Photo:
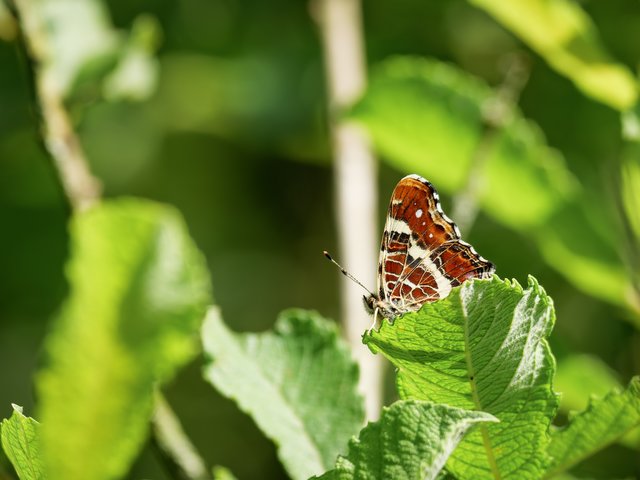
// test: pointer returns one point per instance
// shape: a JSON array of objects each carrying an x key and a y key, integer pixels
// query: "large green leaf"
[
  {"x": 630, "y": 200},
  {"x": 484, "y": 347},
  {"x": 139, "y": 290},
  {"x": 603, "y": 422},
  {"x": 580, "y": 377},
  {"x": 297, "y": 382},
  {"x": 564, "y": 35},
  {"x": 412, "y": 440},
  {"x": 586, "y": 238},
  {"x": 427, "y": 117},
  {"x": 20, "y": 437}
]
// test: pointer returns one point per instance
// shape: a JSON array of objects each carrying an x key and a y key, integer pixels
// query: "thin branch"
[
  {"x": 83, "y": 190},
  {"x": 496, "y": 113},
  {"x": 174, "y": 443},
  {"x": 80, "y": 186},
  {"x": 355, "y": 179}
]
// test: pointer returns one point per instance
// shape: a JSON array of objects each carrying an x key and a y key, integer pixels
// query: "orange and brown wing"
[{"x": 422, "y": 256}]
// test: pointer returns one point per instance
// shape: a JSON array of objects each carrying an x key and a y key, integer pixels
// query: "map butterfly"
[{"x": 421, "y": 255}]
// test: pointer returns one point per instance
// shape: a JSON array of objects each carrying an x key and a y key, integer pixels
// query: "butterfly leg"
[{"x": 374, "y": 325}]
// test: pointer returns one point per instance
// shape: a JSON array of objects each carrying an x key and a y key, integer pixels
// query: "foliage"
[
  {"x": 603, "y": 422},
  {"x": 411, "y": 440},
  {"x": 485, "y": 348},
  {"x": 139, "y": 290},
  {"x": 566, "y": 37},
  {"x": 297, "y": 382},
  {"x": 20, "y": 437},
  {"x": 219, "y": 108},
  {"x": 429, "y": 117}
]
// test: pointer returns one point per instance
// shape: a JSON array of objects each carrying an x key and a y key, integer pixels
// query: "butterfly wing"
[{"x": 422, "y": 256}]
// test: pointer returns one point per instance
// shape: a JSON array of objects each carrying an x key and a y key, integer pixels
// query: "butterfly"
[{"x": 422, "y": 256}]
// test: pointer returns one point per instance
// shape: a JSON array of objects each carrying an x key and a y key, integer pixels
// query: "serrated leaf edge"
[
  {"x": 21, "y": 418},
  {"x": 633, "y": 388}
]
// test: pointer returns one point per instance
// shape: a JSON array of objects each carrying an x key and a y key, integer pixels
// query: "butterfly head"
[
  {"x": 374, "y": 306},
  {"x": 370, "y": 302}
]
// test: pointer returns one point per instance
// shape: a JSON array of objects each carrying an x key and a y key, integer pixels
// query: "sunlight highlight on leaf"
[
  {"x": 139, "y": 289},
  {"x": 564, "y": 35},
  {"x": 427, "y": 117},
  {"x": 298, "y": 383}
]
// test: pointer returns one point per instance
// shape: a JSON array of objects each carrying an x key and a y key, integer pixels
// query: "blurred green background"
[{"x": 235, "y": 136}]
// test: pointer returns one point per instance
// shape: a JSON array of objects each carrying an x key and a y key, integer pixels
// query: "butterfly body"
[{"x": 421, "y": 254}]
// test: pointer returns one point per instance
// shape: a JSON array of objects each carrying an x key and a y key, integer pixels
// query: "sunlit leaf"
[
  {"x": 222, "y": 473},
  {"x": 484, "y": 347},
  {"x": 8, "y": 26},
  {"x": 298, "y": 383},
  {"x": 412, "y": 440},
  {"x": 584, "y": 237},
  {"x": 138, "y": 292},
  {"x": 135, "y": 77},
  {"x": 603, "y": 422},
  {"x": 20, "y": 437},
  {"x": 427, "y": 117},
  {"x": 68, "y": 38},
  {"x": 581, "y": 377},
  {"x": 564, "y": 35},
  {"x": 630, "y": 199}
]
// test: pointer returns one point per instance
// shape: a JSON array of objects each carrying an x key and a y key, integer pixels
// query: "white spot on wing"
[{"x": 418, "y": 213}]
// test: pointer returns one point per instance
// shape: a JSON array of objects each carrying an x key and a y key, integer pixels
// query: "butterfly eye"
[{"x": 369, "y": 302}]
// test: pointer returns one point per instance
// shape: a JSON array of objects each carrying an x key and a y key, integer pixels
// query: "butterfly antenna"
[{"x": 345, "y": 273}]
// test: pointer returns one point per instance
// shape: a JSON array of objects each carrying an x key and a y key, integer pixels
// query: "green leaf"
[
  {"x": 580, "y": 376},
  {"x": 8, "y": 24},
  {"x": 222, "y": 473},
  {"x": 427, "y": 117},
  {"x": 523, "y": 181},
  {"x": 412, "y": 440},
  {"x": 297, "y": 382},
  {"x": 585, "y": 236},
  {"x": 564, "y": 35},
  {"x": 631, "y": 189},
  {"x": 69, "y": 38},
  {"x": 603, "y": 422},
  {"x": 139, "y": 290},
  {"x": 136, "y": 75},
  {"x": 20, "y": 437},
  {"x": 484, "y": 347},
  {"x": 630, "y": 199}
]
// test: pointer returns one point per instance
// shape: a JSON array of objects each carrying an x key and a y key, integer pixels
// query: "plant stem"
[
  {"x": 83, "y": 190},
  {"x": 171, "y": 439},
  {"x": 355, "y": 179},
  {"x": 79, "y": 185}
]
